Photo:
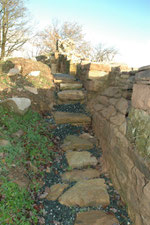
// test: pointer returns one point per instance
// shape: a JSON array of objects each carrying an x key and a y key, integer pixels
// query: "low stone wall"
[{"x": 119, "y": 101}]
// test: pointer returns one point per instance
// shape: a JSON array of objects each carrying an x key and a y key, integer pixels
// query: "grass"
[
  {"x": 32, "y": 151},
  {"x": 16, "y": 205}
]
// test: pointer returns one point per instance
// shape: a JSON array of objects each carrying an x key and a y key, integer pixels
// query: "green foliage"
[
  {"x": 69, "y": 168},
  {"x": 34, "y": 146},
  {"x": 16, "y": 205},
  {"x": 139, "y": 131}
]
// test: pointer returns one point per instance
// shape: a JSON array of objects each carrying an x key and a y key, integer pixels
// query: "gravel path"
[{"x": 57, "y": 214}]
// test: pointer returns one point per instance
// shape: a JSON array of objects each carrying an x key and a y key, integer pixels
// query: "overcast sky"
[{"x": 124, "y": 24}]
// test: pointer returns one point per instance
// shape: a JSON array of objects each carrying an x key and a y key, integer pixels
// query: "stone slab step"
[
  {"x": 70, "y": 86},
  {"x": 72, "y": 118},
  {"x": 86, "y": 193},
  {"x": 73, "y": 142},
  {"x": 78, "y": 175},
  {"x": 61, "y": 102},
  {"x": 55, "y": 191},
  {"x": 73, "y": 95},
  {"x": 80, "y": 159},
  {"x": 95, "y": 217},
  {"x": 64, "y": 78}
]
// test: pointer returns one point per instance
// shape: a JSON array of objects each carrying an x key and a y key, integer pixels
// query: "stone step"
[
  {"x": 71, "y": 95},
  {"x": 95, "y": 217},
  {"x": 73, "y": 142},
  {"x": 80, "y": 159},
  {"x": 64, "y": 78},
  {"x": 78, "y": 175},
  {"x": 71, "y": 86},
  {"x": 86, "y": 193},
  {"x": 60, "y": 102},
  {"x": 71, "y": 118}
]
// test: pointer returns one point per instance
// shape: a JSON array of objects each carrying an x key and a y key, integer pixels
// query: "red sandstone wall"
[{"x": 109, "y": 100}]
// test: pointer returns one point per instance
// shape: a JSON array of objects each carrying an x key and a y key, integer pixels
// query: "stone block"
[
  {"x": 86, "y": 193},
  {"x": 103, "y": 100},
  {"x": 97, "y": 66},
  {"x": 95, "y": 217},
  {"x": 93, "y": 74},
  {"x": 17, "y": 105},
  {"x": 122, "y": 105},
  {"x": 141, "y": 96},
  {"x": 94, "y": 85},
  {"x": 112, "y": 92},
  {"x": 118, "y": 119}
]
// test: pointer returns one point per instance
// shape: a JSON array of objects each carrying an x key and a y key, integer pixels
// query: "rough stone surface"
[
  {"x": 55, "y": 191},
  {"x": 112, "y": 92},
  {"x": 63, "y": 78},
  {"x": 109, "y": 111},
  {"x": 94, "y": 74},
  {"x": 73, "y": 142},
  {"x": 122, "y": 105},
  {"x": 103, "y": 100},
  {"x": 70, "y": 86},
  {"x": 97, "y": 66},
  {"x": 34, "y": 73},
  {"x": 33, "y": 90},
  {"x": 117, "y": 119},
  {"x": 73, "y": 118},
  {"x": 93, "y": 85},
  {"x": 4, "y": 142},
  {"x": 95, "y": 217},
  {"x": 144, "y": 68},
  {"x": 78, "y": 175},
  {"x": 18, "y": 133},
  {"x": 80, "y": 159},
  {"x": 17, "y": 105},
  {"x": 98, "y": 107},
  {"x": 86, "y": 193},
  {"x": 141, "y": 96},
  {"x": 13, "y": 71},
  {"x": 74, "y": 95},
  {"x": 113, "y": 101},
  {"x": 88, "y": 137}
]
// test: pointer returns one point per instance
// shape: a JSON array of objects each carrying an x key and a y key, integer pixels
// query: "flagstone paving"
[
  {"x": 72, "y": 118},
  {"x": 73, "y": 142},
  {"x": 76, "y": 192},
  {"x": 78, "y": 175}
]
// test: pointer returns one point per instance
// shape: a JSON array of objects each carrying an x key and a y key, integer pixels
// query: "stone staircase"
[
  {"x": 82, "y": 185},
  {"x": 70, "y": 89}
]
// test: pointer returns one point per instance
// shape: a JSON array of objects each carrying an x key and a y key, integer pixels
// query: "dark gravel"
[
  {"x": 57, "y": 214},
  {"x": 75, "y": 108}
]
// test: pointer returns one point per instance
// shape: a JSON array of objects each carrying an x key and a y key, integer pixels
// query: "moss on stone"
[{"x": 138, "y": 131}]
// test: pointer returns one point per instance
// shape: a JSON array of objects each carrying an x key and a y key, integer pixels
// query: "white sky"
[{"x": 124, "y": 25}]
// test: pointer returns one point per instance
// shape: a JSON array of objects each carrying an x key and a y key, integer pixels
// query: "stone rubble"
[{"x": 17, "y": 105}]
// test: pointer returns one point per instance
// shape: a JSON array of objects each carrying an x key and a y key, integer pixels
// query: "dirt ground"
[{"x": 39, "y": 89}]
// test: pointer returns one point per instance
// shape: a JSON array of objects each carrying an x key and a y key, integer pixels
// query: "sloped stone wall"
[{"x": 119, "y": 101}]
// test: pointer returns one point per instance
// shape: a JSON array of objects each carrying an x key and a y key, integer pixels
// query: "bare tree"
[
  {"x": 13, "y": 26},
  {"x": 72, "y": 30},
  {"x": 104, "y": 54}
]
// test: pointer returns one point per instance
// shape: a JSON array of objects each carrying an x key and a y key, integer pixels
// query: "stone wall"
[
  {"x": 61, "y": 63},
  {"x": 119, "y": 101}
]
